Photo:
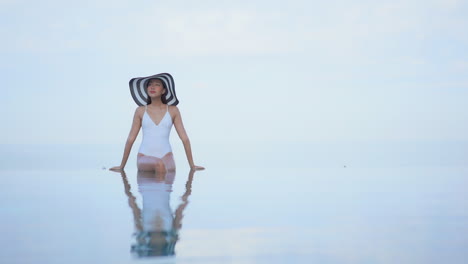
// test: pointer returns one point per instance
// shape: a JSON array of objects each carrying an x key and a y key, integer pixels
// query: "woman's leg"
[
  {"x": 160, "y": 165},
  {"x": 150, "y": 163},
  {"x": 169, "y": 162}
]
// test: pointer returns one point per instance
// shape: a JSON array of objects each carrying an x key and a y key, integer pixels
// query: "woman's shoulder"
[
  {"x": 140, "y": 110},
  {"x": 173, "y": 109}
]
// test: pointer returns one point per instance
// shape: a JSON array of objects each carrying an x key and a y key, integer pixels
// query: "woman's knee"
[
  {"x": 145, "y": 166},
  {"x": 159, "y": 166}
]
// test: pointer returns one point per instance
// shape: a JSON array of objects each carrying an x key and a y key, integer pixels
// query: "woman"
[{"x": 156, "y": 114}]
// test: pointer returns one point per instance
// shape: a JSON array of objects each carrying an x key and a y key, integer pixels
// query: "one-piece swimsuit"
[{"x": 156, "y": 136}]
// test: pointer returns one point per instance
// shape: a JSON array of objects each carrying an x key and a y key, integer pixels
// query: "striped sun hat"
[{"x": 138, "y": 90}]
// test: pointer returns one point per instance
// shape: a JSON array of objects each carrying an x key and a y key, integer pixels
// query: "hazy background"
[
  {"x": 301, "y": 71},
  {"x": 326, "y": 127}
]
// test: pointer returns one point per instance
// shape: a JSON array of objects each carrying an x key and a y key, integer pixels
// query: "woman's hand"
[
  {"x": 116, "y": 168},
  {"x": 195, "y": 167}
]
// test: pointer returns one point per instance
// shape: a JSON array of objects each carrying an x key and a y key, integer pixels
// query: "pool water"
[{"x": 60, "y": 204}]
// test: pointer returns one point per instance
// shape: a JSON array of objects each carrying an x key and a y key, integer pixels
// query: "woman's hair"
[{"x": 163, "y": 96}]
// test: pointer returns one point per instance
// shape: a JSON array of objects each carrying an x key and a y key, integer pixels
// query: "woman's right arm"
[{"x": 136, "y": 125}]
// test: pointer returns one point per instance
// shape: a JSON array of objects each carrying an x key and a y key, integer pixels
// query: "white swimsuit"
[{"x": 156, "y": 137}]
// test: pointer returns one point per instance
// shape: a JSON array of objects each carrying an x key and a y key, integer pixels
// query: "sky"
[{"x": 245, "y": 71}]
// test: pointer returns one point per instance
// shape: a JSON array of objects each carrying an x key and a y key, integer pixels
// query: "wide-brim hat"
[{"x": 138, "y": 89}]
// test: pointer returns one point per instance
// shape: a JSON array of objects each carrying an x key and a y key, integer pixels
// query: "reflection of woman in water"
[
  {"x": 156, "y": 113},
  {"x": 157, "y": 228}
]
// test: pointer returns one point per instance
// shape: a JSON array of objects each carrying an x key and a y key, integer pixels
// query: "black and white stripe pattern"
[{"x": 138, "y": 91}]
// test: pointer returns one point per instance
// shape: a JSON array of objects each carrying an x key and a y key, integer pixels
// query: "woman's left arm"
[{"x": 179, "y": 126}]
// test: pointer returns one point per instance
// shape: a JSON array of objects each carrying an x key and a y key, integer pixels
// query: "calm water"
[{"x": 316, "y": 203}]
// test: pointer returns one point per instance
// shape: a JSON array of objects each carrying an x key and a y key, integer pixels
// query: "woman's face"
[{"x": 155, "y": 88}]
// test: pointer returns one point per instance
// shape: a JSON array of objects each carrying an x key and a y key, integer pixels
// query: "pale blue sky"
[{"x": 261, "y": 70}]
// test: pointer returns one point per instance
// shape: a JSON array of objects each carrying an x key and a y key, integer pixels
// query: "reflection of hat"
[
  {"x": 147, "y": 247},
  {"x": 138, "y": 89}
]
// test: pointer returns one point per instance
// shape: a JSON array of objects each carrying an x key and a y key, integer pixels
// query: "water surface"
[{"x": 328, "y": 205}]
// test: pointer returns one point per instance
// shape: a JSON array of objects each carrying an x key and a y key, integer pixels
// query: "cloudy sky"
[{"x": 301, "y": 71}]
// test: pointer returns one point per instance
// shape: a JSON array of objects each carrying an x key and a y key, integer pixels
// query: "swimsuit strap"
[{"x": 167, "y": 110}]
